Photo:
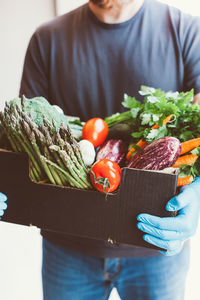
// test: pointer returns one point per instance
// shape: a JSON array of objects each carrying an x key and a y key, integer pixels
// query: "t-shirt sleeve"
[
  {"x": 190, "y": 42},
  {"x": 34, "y": 81}
]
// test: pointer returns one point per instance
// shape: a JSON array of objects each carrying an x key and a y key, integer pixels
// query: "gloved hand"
[
  {"x": 3, "y": 205},
  {"x": 169, "y": 233}
]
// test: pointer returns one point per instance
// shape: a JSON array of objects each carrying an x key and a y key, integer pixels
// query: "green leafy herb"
[{"x": 156, "y": 107}]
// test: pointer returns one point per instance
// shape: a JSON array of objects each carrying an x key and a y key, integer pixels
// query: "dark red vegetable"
[
  {"x": 158, "y": 155},
  {"x": 112, "y": 149}
]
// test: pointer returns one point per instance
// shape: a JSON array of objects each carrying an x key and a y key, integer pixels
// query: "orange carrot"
[
  {"x": 169, "y": 119},
  {"x": 142, "y": 143},
  {"x": 184, "y": 180},
  {"x": 189, "y": 145},
  {"x": 185, "y": 160},
  {"x": 165, "y": 121}
]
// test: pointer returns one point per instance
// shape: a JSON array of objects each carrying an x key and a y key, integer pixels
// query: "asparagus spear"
[
  {"x": 67, "y": 155},
  {"x": 25, "y": 122},
  {"x": 83, "y": 181},
  {"x": 32, "y": 139},
  {"x": 67, "y": 159},
  {"x": 38, "y": 142},
  {"x": 23, "y": 101},
  {"x": 33, "y": 172},
  {"x": 66, "y": 134},
  {"x": 9, "y": 136},
  {"x": 50, "y": 128},
  {"x": 20, "y": 141},
  {"x": 56, "y": 156},
  {"x": 25, "y": 147},
  {"x": 45, "y": 140},
  {"x": 71, "y": 180},
  {"x": 25, "y": 143}
]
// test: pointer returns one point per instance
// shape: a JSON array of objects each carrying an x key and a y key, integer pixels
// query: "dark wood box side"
[
  {"x": 143, "y": 192},
  {"x": 84, "y": 213},
  {"x": 15, "y": 183}
]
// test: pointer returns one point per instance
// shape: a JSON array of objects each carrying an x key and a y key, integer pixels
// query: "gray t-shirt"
[{"x": 85, "y": 66}]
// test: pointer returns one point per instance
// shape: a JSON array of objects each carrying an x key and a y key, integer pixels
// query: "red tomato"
[
  {"x": 105, "y": 175},
  {"x": 95, "y": 130}
]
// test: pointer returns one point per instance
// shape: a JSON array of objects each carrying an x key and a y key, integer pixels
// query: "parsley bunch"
[{"x": 158, "y": 105}]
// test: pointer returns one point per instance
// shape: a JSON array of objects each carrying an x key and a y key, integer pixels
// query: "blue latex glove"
[
  {"x": 3, "y": 205},
  {"x": 169, "y": 233}
]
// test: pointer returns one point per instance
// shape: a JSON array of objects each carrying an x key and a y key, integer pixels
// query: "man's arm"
[
  {"x": 34, "y": 80},
  {"x": 197, "y": 99}
]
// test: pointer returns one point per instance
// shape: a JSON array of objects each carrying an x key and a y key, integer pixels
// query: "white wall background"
[
  {"x": 20, "y": 247},
  {"x": 191, "y": 7},
  {"x": 18, "y": 20},
  {"x": 65, "y": 6}
]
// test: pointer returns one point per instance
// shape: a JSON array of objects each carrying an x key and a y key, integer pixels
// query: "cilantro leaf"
[{"x": 131, "y": 102}]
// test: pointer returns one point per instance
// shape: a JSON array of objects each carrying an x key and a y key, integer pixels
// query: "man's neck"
[{"x": 118, "y": 13}]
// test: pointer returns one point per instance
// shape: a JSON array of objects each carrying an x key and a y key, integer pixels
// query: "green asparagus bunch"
[{"x": 54, "y": 153}]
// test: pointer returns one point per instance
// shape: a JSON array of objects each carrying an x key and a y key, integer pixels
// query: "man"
[{"x": 84, "y": 62}]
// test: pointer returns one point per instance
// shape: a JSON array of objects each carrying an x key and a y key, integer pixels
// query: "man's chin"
[
  {"x": 108, "y": 3},
  {"x": 102, "y": 3}
]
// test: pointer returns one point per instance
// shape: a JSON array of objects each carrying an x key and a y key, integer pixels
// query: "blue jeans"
[{"x": 69, "y": 275}]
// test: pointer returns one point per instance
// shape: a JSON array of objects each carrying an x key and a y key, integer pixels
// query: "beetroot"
[
  {"x": 160, "y": 154},
  {"x": 114, "y": 150}
]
